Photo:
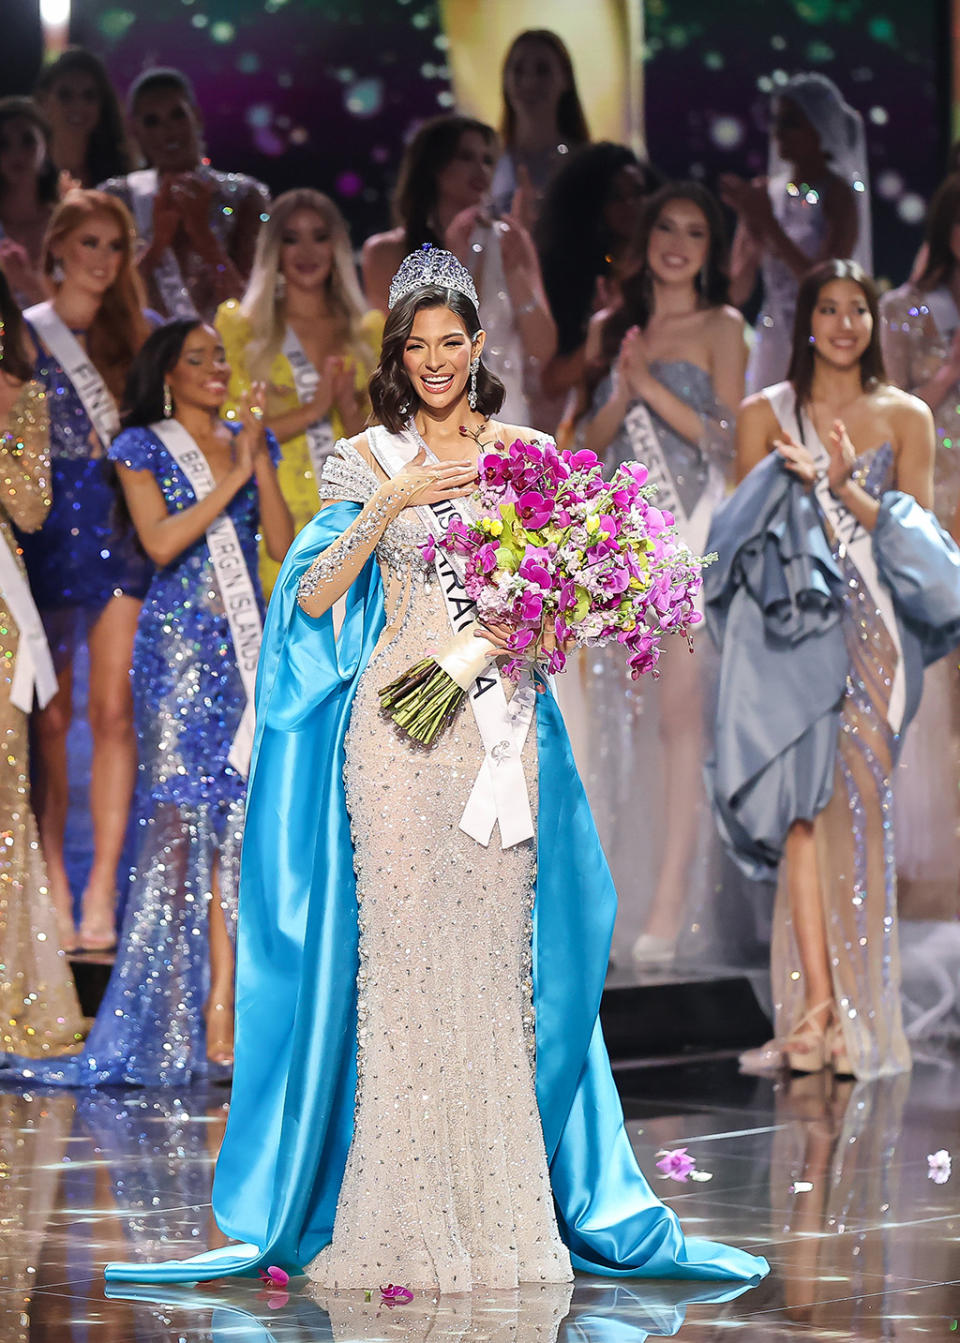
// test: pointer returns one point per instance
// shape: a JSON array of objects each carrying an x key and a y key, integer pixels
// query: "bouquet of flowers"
[{"x": 562, "y": 557}]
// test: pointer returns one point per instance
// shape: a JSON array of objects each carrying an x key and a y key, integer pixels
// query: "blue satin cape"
[
  {"x": 291, "y": 1119},
  {"x": 774, "y": 604}
]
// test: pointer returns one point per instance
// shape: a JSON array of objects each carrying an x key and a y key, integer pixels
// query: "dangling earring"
[
  {"x": 167, "y": 401},
  {"x": 811, "y": 340},
  {"x": 472, "y": 394},
  {"x": 56, "y": 272},
  {"x": 3, "y": 332},
  {"x": 280, "y": 287}
]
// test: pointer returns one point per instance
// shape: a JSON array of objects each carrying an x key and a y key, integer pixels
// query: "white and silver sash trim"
[{"x": 233, "y": 579}]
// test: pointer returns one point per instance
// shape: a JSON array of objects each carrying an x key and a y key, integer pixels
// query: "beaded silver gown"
[{"x": 447, "y": 1138}]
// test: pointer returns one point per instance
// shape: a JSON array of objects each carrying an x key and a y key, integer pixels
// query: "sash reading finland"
[{"x": 233, "y": 579}]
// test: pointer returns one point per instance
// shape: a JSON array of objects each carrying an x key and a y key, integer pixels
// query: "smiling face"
[
  {"x": 841, "y": 325},
  {"x": 534, "y": 79},
  {"x": 168, "y": 129},
  {"x": 23, "y": 150},
  {"x": 72, "y": 105},
  {"x": 437, "y": 357},
  {"x": 200, "y": 376},
  {"x": 679, "y": 242},
  {"x": 306, "y": 250},
  {"x": 466, "y": 179},
  {"x": 91, "y": 254}
]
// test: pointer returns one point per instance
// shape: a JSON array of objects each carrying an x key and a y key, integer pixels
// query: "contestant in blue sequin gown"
[
  {"x": 80, "y": 558},
  {"x": 188, "y": 701}
]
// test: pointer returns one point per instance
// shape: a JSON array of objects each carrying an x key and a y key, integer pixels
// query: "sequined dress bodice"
[
  {"x": 689, "y": 463},
  {"x": 84, "y": 554},
  {"x": 188, "y": 694}
]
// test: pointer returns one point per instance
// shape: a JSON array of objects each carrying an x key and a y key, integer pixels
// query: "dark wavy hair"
[
  {"x": 433, "y": 146},
  {"x": 143, "y": 398},
  {"x": 571, "y": 236},
  {"x": 636, "y": 307},
  {"x": 13, "y": 358},
  {"x": 25, "y": 109},
  {"x": 571, "y": 122},
  {"x": 391, "y": 395},
  {"x": 108, "y": 149},
  {"x": 942, "y": 213},
  {"x": 803, "y": 357}
]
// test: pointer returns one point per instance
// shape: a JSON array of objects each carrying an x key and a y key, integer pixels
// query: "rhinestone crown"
[{"x": 431, "y": 265}]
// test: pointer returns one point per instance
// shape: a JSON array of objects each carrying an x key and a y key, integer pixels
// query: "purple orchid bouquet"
[{"x": 563, "y": 558}]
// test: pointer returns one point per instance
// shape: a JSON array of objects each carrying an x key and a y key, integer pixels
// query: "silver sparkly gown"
[{"x": 447, "y": 1139}]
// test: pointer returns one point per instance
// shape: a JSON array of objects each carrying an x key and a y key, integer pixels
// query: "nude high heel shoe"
[
  {"x": 809, "y": 1052},
  {"x": 839, "y": 1058}
]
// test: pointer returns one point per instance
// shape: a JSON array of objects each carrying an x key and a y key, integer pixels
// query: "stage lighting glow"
[{"x": 54, "y": 13}]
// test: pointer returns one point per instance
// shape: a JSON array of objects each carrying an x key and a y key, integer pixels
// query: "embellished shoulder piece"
[{"x": 347, "y": 476}]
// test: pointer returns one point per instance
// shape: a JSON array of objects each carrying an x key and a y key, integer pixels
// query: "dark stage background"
[{"x": 324, "y": 92}]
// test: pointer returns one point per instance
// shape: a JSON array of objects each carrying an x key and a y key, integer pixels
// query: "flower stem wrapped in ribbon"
[{"x": 562, "y": 558}]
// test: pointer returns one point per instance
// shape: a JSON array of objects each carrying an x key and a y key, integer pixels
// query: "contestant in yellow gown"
[{"x": 303, "y": 291}]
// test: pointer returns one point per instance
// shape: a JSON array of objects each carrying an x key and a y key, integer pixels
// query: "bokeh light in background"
[{"x": 325, "y": 92}]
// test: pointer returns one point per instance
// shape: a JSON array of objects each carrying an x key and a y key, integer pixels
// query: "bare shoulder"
[
  {"x": 725, "y": 321},
  {"x": 384, "y": 245},
  {"x": 908, "y": 413},
  {"x": 756, "y": 413}
]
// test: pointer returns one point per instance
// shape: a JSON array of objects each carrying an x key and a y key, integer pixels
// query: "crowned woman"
[{"x": 421, "y": 1095}]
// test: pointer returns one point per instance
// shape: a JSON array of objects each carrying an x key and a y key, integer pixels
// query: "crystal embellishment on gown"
[{"x": 448, "y": 1143}]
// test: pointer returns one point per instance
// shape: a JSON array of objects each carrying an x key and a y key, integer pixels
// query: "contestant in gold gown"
[{"x": 39, "y": 1011}]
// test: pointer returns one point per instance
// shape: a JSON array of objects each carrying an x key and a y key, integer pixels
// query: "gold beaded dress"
[
  {"x": 39, "y": 1011},
  {"x": 446, "y": 1108}
]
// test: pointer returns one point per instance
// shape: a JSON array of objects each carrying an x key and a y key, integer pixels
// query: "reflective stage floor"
[{"x": 828, "y": 1180}]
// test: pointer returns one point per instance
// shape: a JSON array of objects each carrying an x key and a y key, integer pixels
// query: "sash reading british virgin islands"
[
  {"x": 167, "y": 274},
  {"x": 499, "y": 792},
  {"x": 855, "y": 542},
  {"x": 76, "y": 363},
  {"x": 233, "y": 579},
  {"x": 306, "y": 379}
]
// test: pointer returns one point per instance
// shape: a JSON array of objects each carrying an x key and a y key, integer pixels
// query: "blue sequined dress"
[
  {"x": 81, "y": 556},
  {"x": 188, "y": 701}
]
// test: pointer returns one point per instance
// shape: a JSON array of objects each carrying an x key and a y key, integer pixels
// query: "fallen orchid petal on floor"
[
  {"x": 801, "y": 1187},
  {"x": 939, "y": 1166},
  {"x": 701, "y": 1176},
  {"x": 274, "y": 1277},
  {"x": 392, "y": 1295},
  {"x": 676, "y": 1165}
]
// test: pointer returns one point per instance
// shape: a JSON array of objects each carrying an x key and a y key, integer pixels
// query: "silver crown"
[{"x": 431, "y": 265}]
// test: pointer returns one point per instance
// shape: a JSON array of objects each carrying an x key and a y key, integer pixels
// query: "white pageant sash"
[
  {"x": 853, "y": 539},
  {"x": 500, "y": 790},
  {"x": 306, "y": 379},
  {"x": 167, "y": 274},
  {"x": 76, "y": 363},
  {"x": 233, "y": 579},
  {"x": 694, "y": 528},
  {"x": 34, "y": 666}
]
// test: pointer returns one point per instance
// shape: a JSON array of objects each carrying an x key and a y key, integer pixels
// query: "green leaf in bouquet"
[
  {"x": 507, "y": 559},
  {"x": 583, "y": 603}
]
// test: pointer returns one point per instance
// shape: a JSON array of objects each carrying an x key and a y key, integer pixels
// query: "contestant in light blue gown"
[
  {"x": 188, "y": 703},
  {"x": 826, "y": 617},
  {"x": 422, "y": 1093}
]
